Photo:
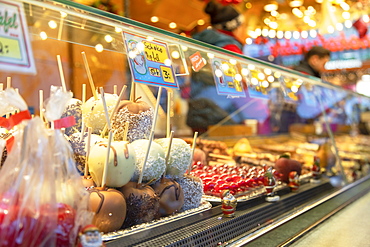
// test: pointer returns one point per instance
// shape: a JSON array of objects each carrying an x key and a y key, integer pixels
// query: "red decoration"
[{"x": 361, "y": 28}]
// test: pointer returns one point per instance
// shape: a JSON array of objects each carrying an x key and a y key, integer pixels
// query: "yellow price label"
[
  {"x": 154, "y": 52},
  {"x": 231, "y": 69},
  {"x": 238, "y": 86},
  {"x": 167, "y": 74},
  {"x": 10, "y": 48}
]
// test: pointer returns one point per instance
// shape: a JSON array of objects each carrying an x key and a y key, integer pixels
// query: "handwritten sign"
[
  {"x": 197, "y": 61},
  {"x": 228, "y": 80},
  {"x": 149, "y": 61},
  {"x": 15, "y": 48}
]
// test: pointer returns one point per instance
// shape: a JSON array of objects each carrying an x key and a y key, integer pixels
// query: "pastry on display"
[
  {"x": 180, "y": 154},
  {"x": 155, "y": 165},
  {"x": 93, "y": 112},
  {"x": 171, "y": 196},
  {"x": 326, "y": 156},
  {"x": 192, "y": 188},
  {"x": 109, "y": 207},
  {"x": 242, "y": 146},
  {"x": 138, "y": 114},
  {"x": 142, "y": 203},
  {"x": 73, "y": 108},
  {"x": 121, "y": 164}
]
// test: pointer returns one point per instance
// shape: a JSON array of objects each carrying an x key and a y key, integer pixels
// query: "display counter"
[{"x": 247, "y": 113}]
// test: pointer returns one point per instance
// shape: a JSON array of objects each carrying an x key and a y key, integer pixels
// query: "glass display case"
[{"x": 256, "y": 109}]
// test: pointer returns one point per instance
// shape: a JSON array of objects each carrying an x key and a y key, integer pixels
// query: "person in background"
[
  {"x": 227, "y": 30},
  {"x": 314, "y": 61},
  {"x": 206, "y": 107}
]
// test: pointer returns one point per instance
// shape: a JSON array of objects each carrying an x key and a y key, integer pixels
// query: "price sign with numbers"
[
  {"x": 149, "y": 61},
  {"x": 15, "y": 48},
  {"x": 227, "y": 78}
]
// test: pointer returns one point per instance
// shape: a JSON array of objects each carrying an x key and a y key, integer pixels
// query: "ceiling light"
[
  {"x": 288, "y": 35},
  {"x": 313, "y": 33},
  {"x": 295, "y": 3},
  {"x": 280, "y": 34},
  {"x": 265, "y": 32},
  {"x": 172, "y": 25},
  {"x": 200, "y": 22},
  {"x": 273, "y": 25},
  {"x": 296, "y": 34},
  {"x": 339, "y": 26},
  {"x": 304, "y": 34},
  {"x": 366, "y": 18},
  {"x": 154, "y": 19},
  {"x": 271, "y": 6},
  {"x": 346, "y": 15},
  {"x": 348, "y": 24}
]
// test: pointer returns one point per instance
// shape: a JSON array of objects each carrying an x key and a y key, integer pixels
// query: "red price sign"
[{"x": 197, "y": 61}]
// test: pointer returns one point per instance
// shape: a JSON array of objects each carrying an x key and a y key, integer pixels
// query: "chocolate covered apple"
[
  {"x": 109, "y": 207},
  {"x": 93, "y": 111},
  {"x": 121, "y": 164},
  {"x": 155, "y": 165},
  {"x": 138, "y": 114},
  {"x": 142, "y": 203},
  {"x": 179, "y": 156},
  {"x": 284, "y": 165},
  {"x": 171, "y": 196}
]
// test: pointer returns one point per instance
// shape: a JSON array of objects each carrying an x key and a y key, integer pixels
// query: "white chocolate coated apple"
[
  {"x": 121, "y": 165},
  {"x": 93, "y": 111},
  {"x": 180, "y": 154},
  {"x": 155, "y": 165}
]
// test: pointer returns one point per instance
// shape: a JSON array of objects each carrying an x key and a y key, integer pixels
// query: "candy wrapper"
[
  {"x": 28, "y": 205},
  {"x": 69, "y": 188},
  {"x": 42, "y": 199}
]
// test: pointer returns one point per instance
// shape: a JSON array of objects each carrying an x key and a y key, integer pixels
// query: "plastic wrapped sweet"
[{"x": 93, "y": 112}]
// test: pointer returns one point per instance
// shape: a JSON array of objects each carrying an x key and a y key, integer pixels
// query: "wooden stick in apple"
[
  {"x": 114, "y": 110},
  {"x": 115, "y": 89},
  {"x": 110, "y": 135},
  {"x": 168, "y": 151},
  {"x": 61, "y": 74},
  {"x": 89, "y": 75},
  {"x": 151, "y": 137},
  {"x": 41, "y": 104},
  {"x": 127, "y": 123},
  {"x": 83, "y": 98},
  {"x": 169, "y": 103},
  {"x": 8, "y": 82},
  {"x": 88, "y": 144},
  {"x": 192, "y": 152}
]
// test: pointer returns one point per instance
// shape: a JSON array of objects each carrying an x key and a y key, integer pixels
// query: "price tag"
[
  {"x": 149, "y": 61},
  {"x": 197, "y": 61},
  {"x": 227, "y": 78},
  {"x": 15, "y": 48}
]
